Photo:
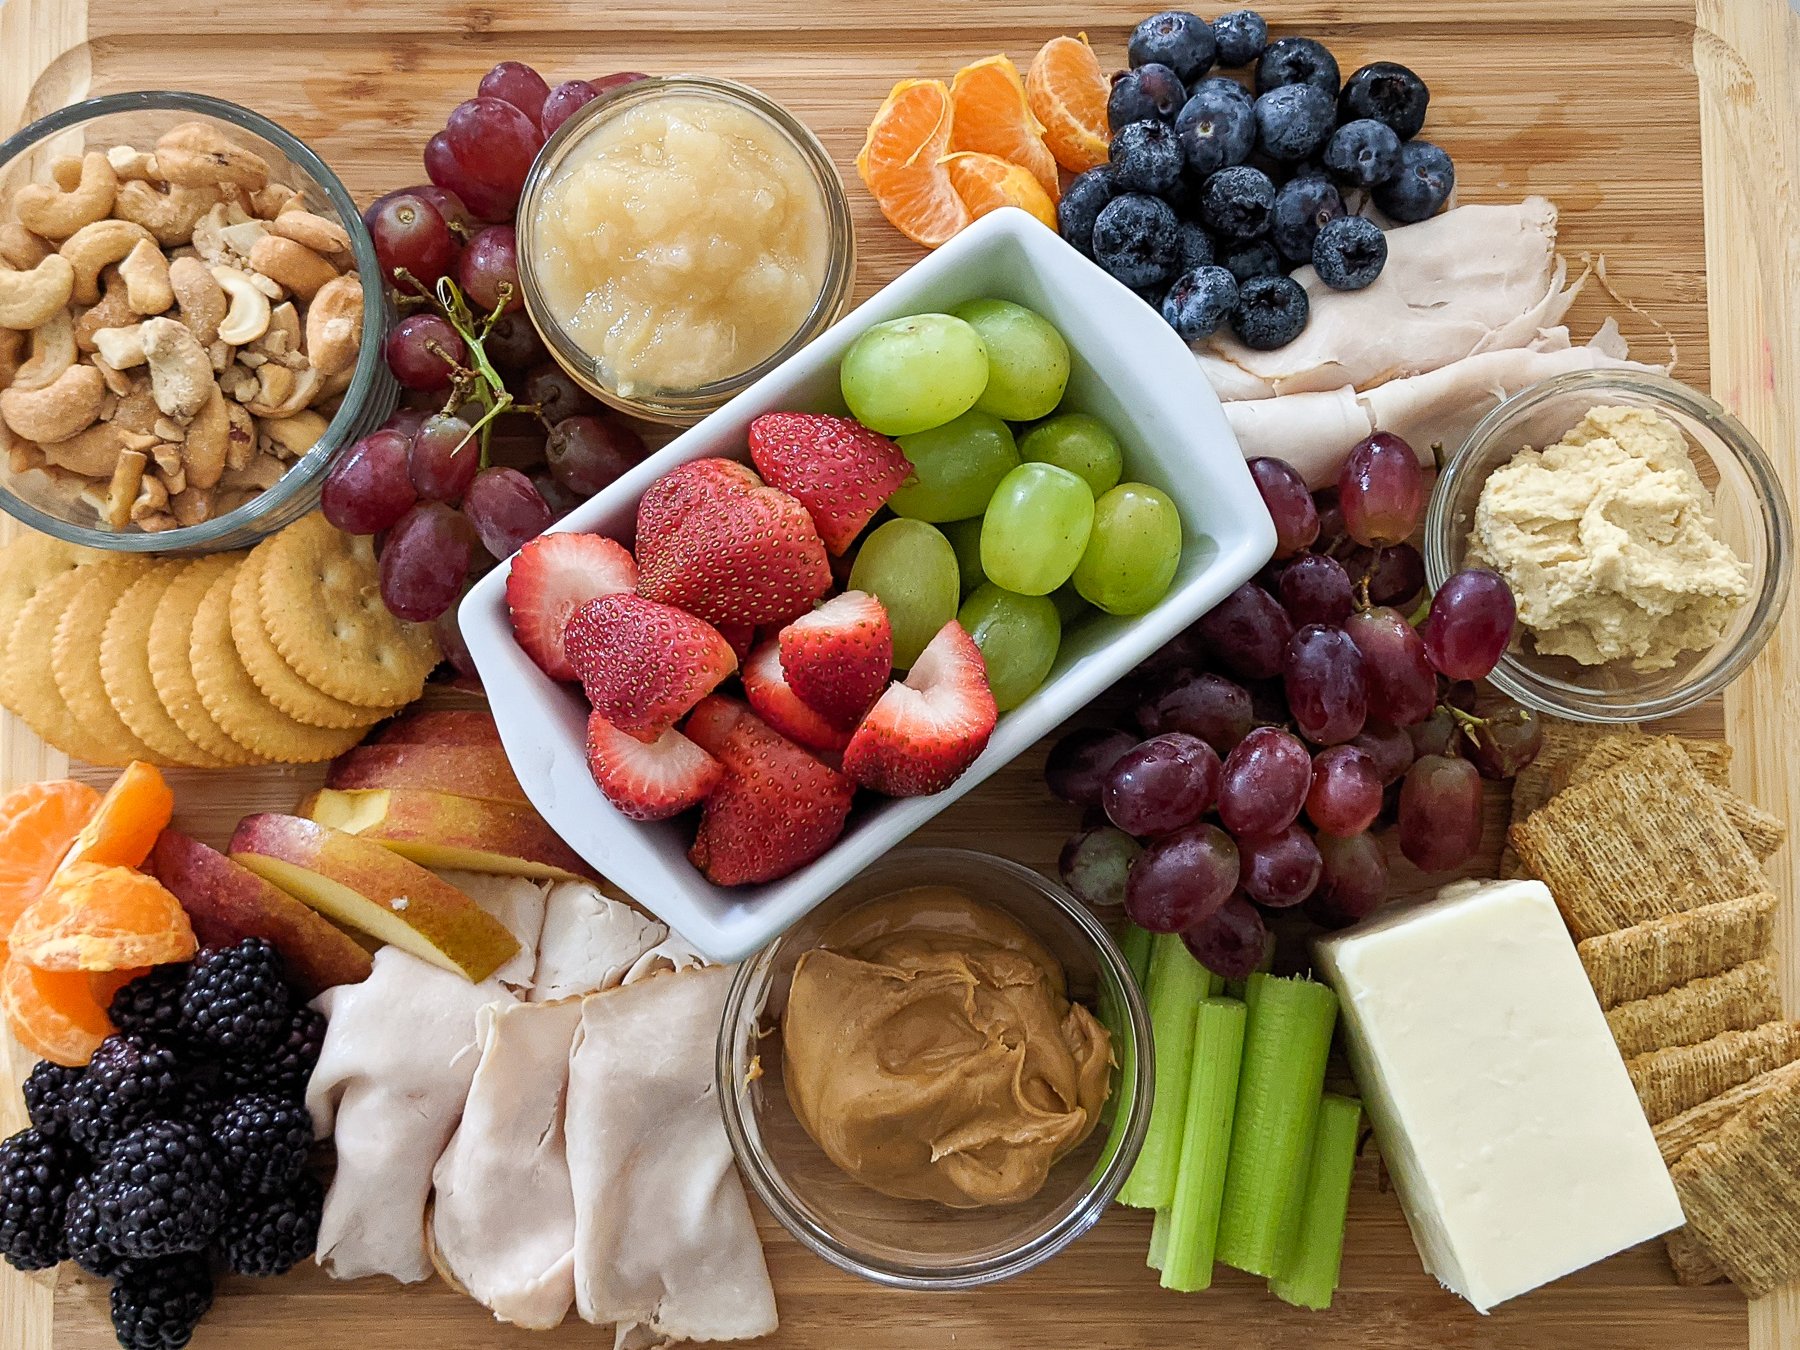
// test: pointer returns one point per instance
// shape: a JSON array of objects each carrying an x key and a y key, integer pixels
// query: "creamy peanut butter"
[{"x": 932, "y": 1051}]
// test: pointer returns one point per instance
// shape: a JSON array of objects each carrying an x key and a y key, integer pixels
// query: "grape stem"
[{"x": 483, "y": 384}]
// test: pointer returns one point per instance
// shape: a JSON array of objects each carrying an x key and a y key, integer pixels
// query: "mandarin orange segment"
[
  {"x": 987, "y": 182},
  {"x": 1066, "y": 91},
  {"x": 992, "y": 117},
  {"x": 56, "y": 1015},
  {"x": 38, "y": 822},
  {"x": 899, "y": 163},
  {"x": 95, "y": 917},
  {"x": 135, "y": 809}
]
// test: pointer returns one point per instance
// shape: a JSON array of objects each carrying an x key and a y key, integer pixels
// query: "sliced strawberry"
[
  {"x": 782, "y": 708},
  {"x": 650, "y": 781},
  {"x": 839, "y": 657},
  {"x": 838, "y": 469},
  {"x": 741, "y": 636},
  {"x": 921, "y": 735},
  {"x": 644, "y": 664},
  {"x": 715, "y": 540},
  {"x": 776, "y": 808},
  {"x": 552, "y": 577}
]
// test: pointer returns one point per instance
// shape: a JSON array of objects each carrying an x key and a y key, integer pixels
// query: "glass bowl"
[
  {"x": 138, "y": 119},
  {"x": 917, "y": 1244},
  {"x": 681, "y": 406},
  {"x": 1749, "y": 505}
]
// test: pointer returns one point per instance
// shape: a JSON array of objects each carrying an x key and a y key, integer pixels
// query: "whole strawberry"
[{"x": 838, "y": 469}]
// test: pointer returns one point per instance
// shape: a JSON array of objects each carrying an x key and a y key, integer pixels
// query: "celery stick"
[
  {"x": 1177, "y": 983},
  {"x": 1135, "y": 944},
  {"x": 1205, "y": 1145},
  {"x": 1159, "y": 1240},
  {"x": 1312, "y": 1264},
  {"x": 1285, "y": 1044}
]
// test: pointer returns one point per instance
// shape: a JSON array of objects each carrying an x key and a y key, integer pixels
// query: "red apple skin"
[
  {"x": 440, "y": 830},
  {"x": 445, "y": 726},
  {"x": 462, "y": 770}
]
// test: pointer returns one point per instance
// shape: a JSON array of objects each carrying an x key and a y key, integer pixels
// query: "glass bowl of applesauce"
[{"x": 679, "y": 237}]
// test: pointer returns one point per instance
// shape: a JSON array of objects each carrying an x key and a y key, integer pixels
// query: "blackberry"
[
  {"x": 237, "y": 999},
  {"x": 286, "y": 1069},
  {"x": 128, "y": 1082},
  {"x": 156, "y": 1306},
  {"x": 150, "y": 1006},
  {"x": 34, "y": 1190},
  {"x": 261, "y": 1141},
  {"x": 275, "y": 1233},
  {"x": 160, "y": 1191},
  {"x": 49, "y": 1090},
  {"x": 89, "y": 1246}
]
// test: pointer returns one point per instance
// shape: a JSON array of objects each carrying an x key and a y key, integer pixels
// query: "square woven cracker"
[
  {"x": 1688, "y": 1259},
  {"x": 1676, "y": 1135},
  {"x": 1763, "y": 831},
  {"x": 1671, "y": 1081},
  {"x": 1743, "y": 997},
  {"x": 1741, "y": 1192},
  {"x": 1640, "y": 840},
  {"x": 1712, "y": 759},
  {"x": 1659, "y": 954},
  {"x": 1564, "y": 742}
]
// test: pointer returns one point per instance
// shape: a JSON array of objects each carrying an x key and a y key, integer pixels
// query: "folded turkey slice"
[
  {"x": 665, "y": 1247},
  {"x": 588, "y": 941},
  {"x": 392, "y": 1077}
]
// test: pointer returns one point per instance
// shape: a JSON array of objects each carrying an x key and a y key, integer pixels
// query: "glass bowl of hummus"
[
  {"x": 679, "y": 237},
  {"x": 940, "y": 1077},
  {"x": 1643, "y": 531}
]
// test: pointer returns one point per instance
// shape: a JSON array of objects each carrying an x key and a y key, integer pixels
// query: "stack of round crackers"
[{"x": 284, "y": 654}]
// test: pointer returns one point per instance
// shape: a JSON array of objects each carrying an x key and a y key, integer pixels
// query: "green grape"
[
  {"x": 1035, "y": 529},
  {"x": 910, "y": 567},
  {"x": 1135, "y": 548},
  {"x": 965, "y": 538},
  {"x": 956, "y": 468},
  {"x": 1079, "y": 443},
  {"x": 1018, "y": 636},
  {"x": 1069, "y": 604},
  {"x": 1028, "y": 361},
  {"x": 912, "y": 374}
]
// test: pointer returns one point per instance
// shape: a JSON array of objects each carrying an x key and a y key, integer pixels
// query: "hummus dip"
[{"x": 1609, "y": 543}]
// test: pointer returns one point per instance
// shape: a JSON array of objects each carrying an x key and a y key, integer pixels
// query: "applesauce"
[{"x": 683, "y": 237}]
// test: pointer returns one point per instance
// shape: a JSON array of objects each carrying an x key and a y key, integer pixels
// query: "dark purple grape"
[
  {"x": 407, "y": 422},
  {"x": 1161, "y": 784},
  {"x": 1316, "y": 589},
  {"x": 409, "y": 233},
  {"x": 424, "y": 560},
  {"x": 588, "y": 453},
  {"x": 1078, "y": 764},
  {"x": 1201, "y": 704},
  {"x": 1353, "y": 879},
  {"x": 424, "y": 352},
  {"x": 1462, "y": 695},
  {"x": 567, "y": 99},
  {"x": 1233, "y": 943},
  {"x": 446, "y": 171},
  {"x": 1248, "y": 632},
  {"x": 446, "y": 454},
  {"x": 1438, "y": 734},
  {"x": 1440, "y": 813},
  {"x": 1389, "y": 746},
  {"x": 1331, "y": 516},
  {"x": 1345, "y": 796},
  {"x": 1290, "y": 504},
  {"x": 513, "y": 345},
  {"x": 1327, "y": 690},
  {"x": 1268, "y": 702},
  {"x": 450, "y": 206},
  {"x": 553, "y": 392},
  {"x": 1470, "y": 623},
  {"x": 1402, "y": 685},
  {"x": 506, "y": 511},
  {"x": 488, "y": 268},
  {"x": 494, "y": 143},
  {"x": 1184, "y": 652},
  {"x": 518, "y": 84},
  {"x": 1181, "y": 879},
  {"x": 1502, "y": 743},
  {"x": 1278, "y": 870},
  {"x": 1264, "y": 782},
  {"x": 368, "y": 488},
  {"x": 1395, "y": 574},
  {"x": 1381, "y": 490},
  {"x": 1094, "y": 865},
  {"x": 557, "y": 497},
  {"x": 453, "y": 645}
]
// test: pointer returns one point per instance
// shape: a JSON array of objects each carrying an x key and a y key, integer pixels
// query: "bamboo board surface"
[{"x": 1670, "y": 138}]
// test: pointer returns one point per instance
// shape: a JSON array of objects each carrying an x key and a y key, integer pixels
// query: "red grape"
[
  {"x": 1438, "y": 734},
  {"x": 1077, "y": 765},
  {"x": 564, "y": 102},
  {"x": 1264, "y": 782},
  {"x": 1201, "y": 704},
  {"x": 449, "y": 206},
  {"x": 1316, "y": 589},
  {"x": 1353, "y": 879},
  {"x": 494, "y": 143},
  {"x": 1395, "y": 575},
  {"x": 1331, "y": 516},
  {"x": 1161, "y": 785},
  {"x": 1389, "y": 746},
  {"x": 1381, "y": 490},
  {"x": 553, "y": 392},
  {"x": 447, "y": 172},
  {"x": 1345, "y": 796},
  {"x": 557, "y": 497},
  {"x": 367, "y": 489},
  {"x": 1248, "y": 632},
  {"x": 1181, "y": 879},
  {"x": 505, "y": 510},
  {"x": 1278, "y": 870},
  {"x": 1094, "y": 865},
  {"x": 1233, "y": 943},
  {"x": 1290, "y": 504},
  {"x": 1327, "y": 689},
  {"x": 1469, "y": 624},
  {"x": 1440, "y": 813},
  {"x": 488, "y": 264},
  {"x": 423, "y": 562},
  {"x": 445, "y": 457},
  {"x": 1402, "y": 685},
  {"x": 587, "y": 453},
  {"x": 407, "y": 422},
  {"x": 518, "y": 84},
  {"x": 424, "y": 352},
  {"x": 605, "y": 84},
  {"x": 512, "y": 344},
  {"x": 453, "y": 645},
  {"x": 1505, "y": 742},
  {"x": 409, "y": 232},
  {"x": 1179, "y": 655}
]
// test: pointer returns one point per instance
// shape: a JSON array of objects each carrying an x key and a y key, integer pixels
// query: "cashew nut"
[
  {"x": 118, "y": 384},
  {"x": 262, "y": 472},
  {"x": 12, "y": 349},
  {"x": 20, "y": 248},
  {"x": 240, "y": 443},
  {"x": 181, "y": 375},
  {"x": 201, "y": 298},
  {"x": 274, "y": 200},
  {"x": 239, "y": 382},
  {"x": 197, "y": 153},
  {"x": 28, "y": 299},
  {"x": 92, "y": 453},
  {"x": 334, "y": 326},
  {"x": 315, "y": 232},
  {"x": 68, "y": 404},
  {"x": 169, "y": 216},
  {"x": 146, "y": 274},
  {"x": 192, "y": 505},
  {"x": 295, "y": 266},
  {"x": 282, "y": 392},
  {"x": 96, "y": 245},
  {"x": 121, "y": 348},
  {"x": 133, "y": 165},
  {"x": 52, "y": 353},
  {"x": 21, "y": 456},
  {"x": 203, "y": 452},
  {"x": 49, "y": 210},
  {"x": 114, "y": 311},
  {"x": 65, "y": 172},
  {"x": 292, "y": 437},
  {"x": 248, "y": 318}
]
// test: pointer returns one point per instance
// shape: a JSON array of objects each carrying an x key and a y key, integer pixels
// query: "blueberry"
[
  {"x": 1146, "y": 157},
  {"x": 1296, "y": 60},
  {"x": 1152, "y": 295},
  {"x": 1305, "y": 202},
  {"x": 1080, "y": 206},
  {"x": 1199, "y": 301},
  {"x": 1148, "y": 92},
  {"x": 1349, "y": 253},
  {"x": 1137, "y": 239},
  {"x": 1363, "y": 153},
  {"x": 1185, "y": 195},
  {"x": 1253, "y": 260},
  {"x": 1216, "y": 129},
  {"x": 1422, "y": 186},
  {"x": 1390, "y": 94},
  {"x": 1195, "y": 248},
  {"x": 1181, "y": 41},
  {"x": 1237, "y": 202},
  {"x": 1240, "y": 37},
  {"x": 1270, "y": 312},
  {"x": 1293, "y": 121},
  {"x": 1221, "y": 86}
]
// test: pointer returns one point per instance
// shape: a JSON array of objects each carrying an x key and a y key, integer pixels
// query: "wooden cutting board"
[{"x": 1671, "y": 141}]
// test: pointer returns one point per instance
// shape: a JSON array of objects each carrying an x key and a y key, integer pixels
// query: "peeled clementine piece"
[
  {"x": 987, "y": 182},
  {"x": 95, "y": 917},
  {"x": 56, "y": 1015},
  {"x": 899, "y": 163},
  {"x": 992, "y": 117},
  {"x": 1066, "y": 91},
  {"x": 38, "y": 822},
  {"x": 135, "y": 809}
]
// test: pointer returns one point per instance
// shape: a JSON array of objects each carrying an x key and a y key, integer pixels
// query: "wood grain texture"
[{"x": 1612, "y": 128}]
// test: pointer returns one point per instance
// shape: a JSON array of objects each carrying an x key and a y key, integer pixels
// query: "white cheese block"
[{"x": 1499, "y": 1100}]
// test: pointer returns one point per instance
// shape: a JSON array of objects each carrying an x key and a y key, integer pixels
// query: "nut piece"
[
  {"x": 248, "y": 318},
  {"x": 169, "y": 216},
  {"x": 181, "y": 375},
  {"x": 282, "y": 392},
  {"x": 192, "y": 505},
  {"x": 203, "y": 453},
  {"x": 12, "y": 351},
  {"x": 66, "y": 405},
  {"x": 274, "y": 200},
  {"x": 196, "y": 154},
  {"x": 282, "y": 340},
  {"x": 121, "y": 348},
  {"x": 97, "y": 245},
  {"x": 133, "y": 165},
  {"x": 146, "y": 274},
  {"x": 28, "y": 299},
  {"x": 201, "y": 298},
  {"x": 49, "y": 210},
  {"x": 334, "y": 326},
  {"x": 240, "y": 441},
  {"x": 292, "y": 437},
  {"x": 320, "y": 235},
  {"x": 92, "y": 453},
  {"x": 296, "y": 267},
  {"x": 127, "y": 474},
  {"x": 52, "y": 352}
]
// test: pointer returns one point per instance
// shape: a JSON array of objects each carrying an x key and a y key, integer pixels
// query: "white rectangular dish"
[{"x": 1128, "y": 368}]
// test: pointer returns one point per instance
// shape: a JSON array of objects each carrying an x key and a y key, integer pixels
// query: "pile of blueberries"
[{"x": 1212, "y": 194}]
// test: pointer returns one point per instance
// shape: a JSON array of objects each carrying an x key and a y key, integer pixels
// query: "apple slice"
[
  {"x": 227, "y": 903},
  {"x": 364, "y": 886},
  {"x": 466, "y": 770},
  {"x": 438, "y": 830},
  {"x": 440, "y": 726}
]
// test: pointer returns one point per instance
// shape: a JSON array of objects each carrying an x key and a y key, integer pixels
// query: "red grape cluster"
[{"x": 1306, "y": 711}]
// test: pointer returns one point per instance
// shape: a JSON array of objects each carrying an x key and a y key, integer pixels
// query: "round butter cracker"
[
  {"x": 75, "y": 656},
  {"x": 30, "y": 682},
  {"x": 171, "y": 631},
  {"x": 125, "y": 670},
  {"x": 26, "y": 565}
]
